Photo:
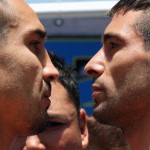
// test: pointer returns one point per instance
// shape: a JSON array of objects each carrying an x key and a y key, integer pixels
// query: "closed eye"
[{"x": 54, "y": 124}]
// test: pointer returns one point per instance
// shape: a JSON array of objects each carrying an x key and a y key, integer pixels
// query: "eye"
[
  {"x": 35, "y": 46},
  {"x": 35, "y": 43},
  {"x": 54, "y": 124},
  {"x": 111, "y": 48},
  {"x": 113, "y": 45}
]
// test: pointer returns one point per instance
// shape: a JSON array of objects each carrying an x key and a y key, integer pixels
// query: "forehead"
[
  {"x": 25, "y": 16},
  {"x": 61, "y": 104},
  {"x": 62, "y": 101},
  {"x": 123, "y": 25}
]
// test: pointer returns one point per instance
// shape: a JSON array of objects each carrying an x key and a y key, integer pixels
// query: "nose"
[
  {"x": 50, "y": 73},
  {"x": 33, "y": 143},
  {"x": 95, "y": 67}
]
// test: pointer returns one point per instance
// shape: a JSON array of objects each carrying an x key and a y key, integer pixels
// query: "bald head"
[{"x": 6, "y": 19}]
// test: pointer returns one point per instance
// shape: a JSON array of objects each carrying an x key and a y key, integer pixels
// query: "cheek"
[
  {"x": 69, "y": 141},
  {"x": 132, "y": 77},
  {"x": 119, "y": 74},
  {"x": 31, "y": 75},
  {"x": 64, "y": 139},
  {"x": 22, "y": 72},
  {"x": 54, "y": 138},
  {"x": 69, "y": 138},
  {"x": 29, "y": 66}
]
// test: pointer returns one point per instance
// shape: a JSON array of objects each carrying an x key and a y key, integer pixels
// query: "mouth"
[
  {"x": 46, "y": 96},
  {"x": 98, "y": 93},
  {"x": 47, "y": 93},
  {"x": 47, "y": 90}
]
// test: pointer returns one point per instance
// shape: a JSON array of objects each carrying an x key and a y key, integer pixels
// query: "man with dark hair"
[
  {"x": 25, "y": 72},
  {"x": 121, "y": 72},
  {"x": 67, "y": 128}
]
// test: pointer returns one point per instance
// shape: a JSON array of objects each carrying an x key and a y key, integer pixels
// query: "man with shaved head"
[{"x": 26, "y": 72}]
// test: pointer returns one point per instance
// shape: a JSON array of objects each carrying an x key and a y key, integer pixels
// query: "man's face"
[
  {"x": 24, "y": 69},
  {"x": 64, "y": 131},
  {"x": 121, "y": 73}
]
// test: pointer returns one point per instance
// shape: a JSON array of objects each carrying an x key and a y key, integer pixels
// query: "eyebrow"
[
  {"x": 40, "y": 33},
  {"x": 61, "y": 117},
  {"x": 53, "y": 116},
  {"x": 109, "y": 36}
]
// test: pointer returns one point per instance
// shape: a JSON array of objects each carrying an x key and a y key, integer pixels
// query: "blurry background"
[{"x": 74, "y": 30}]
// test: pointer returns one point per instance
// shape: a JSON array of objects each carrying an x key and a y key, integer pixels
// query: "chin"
[
  {"x": 38, "y": 125},
  {"x": 102, "y": 115}
]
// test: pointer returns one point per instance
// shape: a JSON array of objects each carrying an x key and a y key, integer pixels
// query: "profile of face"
[
  {"x": 120, "y": 70},
  {"x": 25, "y": 72},
  {"x": 65, "y": 131}
]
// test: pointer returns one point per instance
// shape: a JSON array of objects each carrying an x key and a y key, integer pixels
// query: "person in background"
[
  {"x": 110, "y": 137},
  {"x": 121, "y": 72},
  {"x": 25, "y": 72},
  {"x": 67, "y": 128}
]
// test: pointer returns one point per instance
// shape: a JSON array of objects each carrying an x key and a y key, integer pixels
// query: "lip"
[
  {"x": 95, "y": 94},
  {"x": 47, "y": 93},
  {"x": 47, "y": 90},
  {"x": 98, "y": 93},
  {"x": 46, "y": 96}
]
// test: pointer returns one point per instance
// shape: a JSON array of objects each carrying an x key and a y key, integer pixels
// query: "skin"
[
  {"x": 64, "y": 131},
  {"x": 121, "y": 85},
  {"x": 109, "y": 137},
  {"x": 25, "y": 72}
]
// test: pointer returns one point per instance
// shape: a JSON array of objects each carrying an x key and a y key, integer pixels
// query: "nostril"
[
  {"x": 51, "y": 78},
  {"x": 92, "y": 72}
]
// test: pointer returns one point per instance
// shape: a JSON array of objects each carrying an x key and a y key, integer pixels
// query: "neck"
[
  {"x": 138, "y": 136},
  {"x": 6, "y": 137}
]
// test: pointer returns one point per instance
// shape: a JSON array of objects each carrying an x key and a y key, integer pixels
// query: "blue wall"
[{"x": 77, "y": 53}]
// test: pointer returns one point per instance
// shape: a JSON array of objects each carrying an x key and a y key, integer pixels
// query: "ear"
[{"x": 83, "y": 128}]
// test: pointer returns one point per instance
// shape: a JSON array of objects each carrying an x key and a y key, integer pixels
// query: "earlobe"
[{"x": 83, "y": 128}]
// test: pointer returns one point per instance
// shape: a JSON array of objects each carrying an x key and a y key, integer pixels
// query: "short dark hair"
[
  {"x": 127, "y": 5},
  {"x": 6, "y": 19},
  {"x": 143, "y": 22},
  {"x": 67, "y": 77}
]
